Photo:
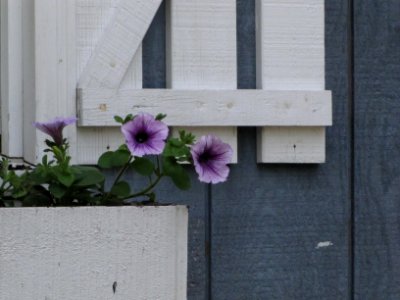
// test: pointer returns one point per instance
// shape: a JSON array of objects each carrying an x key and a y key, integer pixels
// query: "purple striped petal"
[
  {"x": 210, "y": 157},
  {"x": 55, "y": 128},
  {"x": 144, "y": 135}
]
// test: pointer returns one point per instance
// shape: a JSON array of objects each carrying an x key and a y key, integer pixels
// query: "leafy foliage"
[{"x": 56, "y": 182}]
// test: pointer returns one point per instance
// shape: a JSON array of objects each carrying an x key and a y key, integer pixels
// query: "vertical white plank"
[
  {"x": 201, "y": 45},
  {"x": 11, "y": 78},
  {"x": 55, "y": 66},
  {"x": 92, "y": 17},
  {"x": 290, "y": 56}
]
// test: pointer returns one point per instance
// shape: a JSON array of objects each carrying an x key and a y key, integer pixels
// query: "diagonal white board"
[
  {"x": 290, "y": 56},
  {"x": 201, "y": 40},
  {"x": 120, "y": 41}
]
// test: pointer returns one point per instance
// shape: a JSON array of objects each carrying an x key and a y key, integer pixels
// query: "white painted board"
[
  {"x": 290, "y": 56},
  {"x": 80, "y": 253},
  {"x": 201, "y": 46}
]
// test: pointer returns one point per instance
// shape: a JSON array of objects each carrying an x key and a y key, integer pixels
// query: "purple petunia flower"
[
  {"x": 55, "y": 127},
  {"x": 210, "y": 157},
  {"x": 144, "y": 135}
]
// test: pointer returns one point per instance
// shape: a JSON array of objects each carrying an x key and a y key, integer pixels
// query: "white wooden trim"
[
  {"x": 290, "y": 56},
  {"x": 201, "y": 52},
  {"x": 11, "y": 78},
  {"x": 209, "y": 107},
  {"x": 291, "y": 144},
  {"x": 120, "y": 41}
]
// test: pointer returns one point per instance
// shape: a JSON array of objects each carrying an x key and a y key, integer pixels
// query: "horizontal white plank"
[
  {"x": 97, "y": 107},
  {"x": 291, "y": 144}
]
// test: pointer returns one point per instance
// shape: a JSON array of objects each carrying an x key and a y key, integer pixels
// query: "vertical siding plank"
[
  {"x": 55, "y": 69},
  {"x": 202, "y": 50},
  {"x": 281, "y": 231},
  {"x": 290, "y": 56},
  {"x": 377, "y": 144},
  {"x": 11, "y": 78}
]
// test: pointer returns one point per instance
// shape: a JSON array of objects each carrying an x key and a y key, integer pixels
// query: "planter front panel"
[{"x": 93, "y": 253}]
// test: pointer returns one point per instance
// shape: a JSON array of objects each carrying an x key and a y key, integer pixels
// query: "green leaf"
[
  {"x": 106, "y": 160},
  {"x": 118, "y": 119},
  {"x": 175, "y": 148},
  {"x": 160, "y": 117},
  {"x": 121, "y": 189},
  {"x": 114, "y": 159},
  {"x": 120, "y": 158},
  {"x": 57, "y": 190},
  {"x": 143, "y": 166},
  {"x": 87, "y": 176},
  {"x": 177, "y": 173},
  {"x": 128, "y": 118},
  {"x": 65, "y": 177}
]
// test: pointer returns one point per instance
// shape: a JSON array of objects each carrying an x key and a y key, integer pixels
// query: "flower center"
[
  {"x": 141, "y": 137},
  {"x": 205, "y": 157}
]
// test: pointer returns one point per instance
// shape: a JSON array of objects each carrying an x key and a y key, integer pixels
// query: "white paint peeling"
[{"x": 324, "y": 244}]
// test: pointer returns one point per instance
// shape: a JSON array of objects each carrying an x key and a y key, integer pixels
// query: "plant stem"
[
  {"x": 148, "y": 189},
  {"x": 121, "y": 172}
]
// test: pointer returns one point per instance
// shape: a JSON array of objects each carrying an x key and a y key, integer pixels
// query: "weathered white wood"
[
  {"x": 11, "y": 78},
  {"x": 122, "y": 37},
  {"x": 201, "y": 45},
  {"x": 209, "y": 107},
  {"x": 290, "y": 56},
  {"x": 292, "y": 144},
  {"x": 92, "y": 19},
  {"x": 80, "y": 253},
  {"x": 54, "y": 68}
]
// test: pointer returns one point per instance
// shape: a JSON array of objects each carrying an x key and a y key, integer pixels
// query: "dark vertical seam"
[
  {"x": 208, "y": 241},
  {"x": 351, "y": 120}
]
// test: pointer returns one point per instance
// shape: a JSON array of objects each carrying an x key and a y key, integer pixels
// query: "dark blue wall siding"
[
  {"x": 377, "y": 144},
  {"x": 268, "y": 219}
]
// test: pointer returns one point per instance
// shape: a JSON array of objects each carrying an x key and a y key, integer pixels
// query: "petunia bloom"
[
  {"x": 210, "y": 158},
  {"x": 55, "y": 127},
  {"x": 144, "y": 135}
]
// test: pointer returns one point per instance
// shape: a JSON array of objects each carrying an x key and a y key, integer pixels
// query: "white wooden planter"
[{"x": 93, "y": 253}]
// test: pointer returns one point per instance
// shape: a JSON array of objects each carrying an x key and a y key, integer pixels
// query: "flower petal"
[{"x": 145, "y": 125}]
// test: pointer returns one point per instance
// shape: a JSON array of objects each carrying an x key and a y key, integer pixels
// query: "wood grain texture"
[
  {"x": 11, "y": 78},
  {"x": 291, "y": 144},
  {"x": 213, "y": 107},
  {"x": 290, "y": 56},
  {"x": 79, "y": 253},
  {"x": 268, "y": 221},
  {"x": 54, "y": 70},
  {"x": 121, "y": 39},
  {"x": 201, "y": 51},
  {"x": 377, "y": 143}
]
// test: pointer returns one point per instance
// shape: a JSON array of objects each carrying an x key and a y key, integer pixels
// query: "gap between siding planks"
[{"x": 290, "y": 56}]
